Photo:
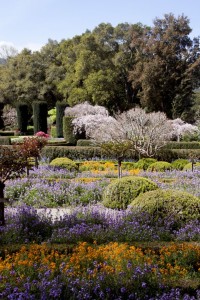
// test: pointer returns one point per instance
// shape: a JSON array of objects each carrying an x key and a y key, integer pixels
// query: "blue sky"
[{"x": 30, "y": 23}]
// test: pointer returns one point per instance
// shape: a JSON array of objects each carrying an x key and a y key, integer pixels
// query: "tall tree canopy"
[
  {"x": 166, "y": 66},
  {"x": 117, "y": 67}
]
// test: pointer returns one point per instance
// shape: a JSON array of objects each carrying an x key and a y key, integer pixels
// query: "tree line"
[{"x": 156, "y": 68}]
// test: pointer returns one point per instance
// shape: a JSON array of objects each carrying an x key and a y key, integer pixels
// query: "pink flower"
[{"x": 42, "y": 134}]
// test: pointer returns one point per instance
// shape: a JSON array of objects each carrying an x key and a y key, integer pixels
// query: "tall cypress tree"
[
  {"x": 22, "y": 117},
  {"x": 60, "y": 108},
  {"x": 40, "y": 116}
]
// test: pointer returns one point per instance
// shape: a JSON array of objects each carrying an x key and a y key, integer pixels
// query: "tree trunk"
[{"x": 2, "y": 220}]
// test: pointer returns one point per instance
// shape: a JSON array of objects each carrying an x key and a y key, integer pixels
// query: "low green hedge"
[
  {"x": 182, "y": 145},
  {"x": 87, "y": 143},
  {"x": 72, "y": 152},
  {"x": 5, "y": 140},
  {"x": 7, "y": 133}
]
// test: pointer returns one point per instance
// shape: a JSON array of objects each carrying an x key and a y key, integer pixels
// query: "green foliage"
[
  {"x": 40, "y": 116},
  {"x": 64, "y": 162},
  {"x": 188, "y": 166},
  {"x": 162, "y": 79},
  {"x": 22, "y": 117},
  {"x": 120, "y": 193},
  {"x": 60, "y": 107},
  {"x": 5, "y": 140},
  {"x": 76, "y": 153},
  {"x": 165, "y": 204},
  {"x": 53, "y": 131},
  {"x": 83, "y": 142},
  {"x": 182, "y": 145},
  {"x": 69, "y": 136},
  {"x": 179, "y": 164},
  {"x": 127, "y": 165},
  {"x": 159, "y": 166},
  {"x": 51, "y": 116},
  {"x": 144, "y": 163}
]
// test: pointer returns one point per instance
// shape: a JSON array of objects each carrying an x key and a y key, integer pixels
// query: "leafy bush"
[
  {"x": 85, "y": 143},
  {"x": 64, "y": 162},
  {"x": 72, "y": 152},
  {"x": 182, "y": 145},
  {"x": 171, "y": 204},
  {"x": 179, "y": 164},
  {"x": 188, "y": 166},
  {"x": 160, "y": 166},
  {"x": 4, "y": 140},
  {"x": 144, "y": 163},
  {"x": 120, "y": 193}
]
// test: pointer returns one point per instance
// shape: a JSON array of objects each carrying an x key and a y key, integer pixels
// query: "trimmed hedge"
[
  {"x": 4, "y": 140},
  {"x": 182, "y": 145},
  {"x": 40, "y": 116},
  {"x": 166, "y": 204},
  {"x": 87, "y": 143},
  {"x": 73, "y": 152},
  {"x": 68, "y": 131},
  {"x": 159, "y": 166},
  {"x": 22, "y": 117},
  {"x": 121, "y": 192},
  {"x": 179, "y": 164},
  {"x": 64, "y": 162},
  {"x": 60, "y": 109}
]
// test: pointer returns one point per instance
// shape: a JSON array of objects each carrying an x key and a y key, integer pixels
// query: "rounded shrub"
[
  {"x": 179, "y": 164},
  {"x": 159, "y": 166},
  {"x": 179, "y": 206},
  {"x": 120, "y": 192},
  {"x": 188, "y": 166},
  {"x": 144, "y": 163},
  {"x": 64, "y": 162}
]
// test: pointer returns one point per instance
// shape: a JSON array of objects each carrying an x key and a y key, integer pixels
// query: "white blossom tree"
[
  {"x": 181, "y": 128},
  {"x": 134, "y": 130}
]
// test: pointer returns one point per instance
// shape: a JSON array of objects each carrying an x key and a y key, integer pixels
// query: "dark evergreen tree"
[
  {"x": 22, "y": 117},
  {"x": 40, "y": 112},
  {"x": 60, "y": 108}
]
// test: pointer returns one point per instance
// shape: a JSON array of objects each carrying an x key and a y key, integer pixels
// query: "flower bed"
[{"x": 93, "y": 252}]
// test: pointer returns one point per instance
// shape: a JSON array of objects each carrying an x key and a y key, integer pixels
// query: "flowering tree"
[
  {"x": 180, "y": 128},
  {"x": 85, "y": 109},
  {"x": 143, "y": 133}
]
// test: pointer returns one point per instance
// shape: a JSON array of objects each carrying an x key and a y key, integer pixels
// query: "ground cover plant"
[{"x": 94, "y": 252}]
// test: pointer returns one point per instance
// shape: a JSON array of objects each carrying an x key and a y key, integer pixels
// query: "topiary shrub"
[
  {"x": 179, "y": 164},
  {"x": 120, "y": 193},
  {"x": 64, "y": 162},
  {"x": 144, "y": 163},
  {"x": 159, "y": 166},
  {"x": 188, "y": 166},
  {"x": 179, "y": 206},
  {"x": 40, "y": 116}
]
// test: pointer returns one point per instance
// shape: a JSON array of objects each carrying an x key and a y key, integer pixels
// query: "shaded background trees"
[{"x": 119, "y": 67}]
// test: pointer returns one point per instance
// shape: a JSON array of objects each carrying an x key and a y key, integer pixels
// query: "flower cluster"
[
  {"x": 42, "y": 134},
  {"x": 112, "y": 271}
]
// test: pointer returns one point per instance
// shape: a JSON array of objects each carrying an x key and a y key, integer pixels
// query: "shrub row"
[
  {"x": 4, "y": 140},
  {"x": 182, "y": 145},
  {"x": 7, "y": 133},
  {"x": 72, "y": 152}
]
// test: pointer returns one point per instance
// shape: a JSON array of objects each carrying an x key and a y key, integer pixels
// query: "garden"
[{"x": 74, "y": 230}]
